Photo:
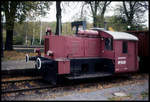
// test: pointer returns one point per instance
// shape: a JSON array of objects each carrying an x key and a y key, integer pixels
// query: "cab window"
[
  {"x": 124, "y": 47},
  {"x": 108, "y": 43}
]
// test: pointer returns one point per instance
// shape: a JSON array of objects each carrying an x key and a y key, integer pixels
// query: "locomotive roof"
[{"x": 118, "y": 35}]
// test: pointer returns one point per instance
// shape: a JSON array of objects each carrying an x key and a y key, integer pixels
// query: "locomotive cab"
[{"x": 122, "y": 47}]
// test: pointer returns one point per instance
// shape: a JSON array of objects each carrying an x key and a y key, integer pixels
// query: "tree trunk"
[
  {"x": 94, "y": 21},
  {"x": 9, "y": 40},
  {"x": 26, "y": 29},
  {"x": 101, "y": 22},
  {"x": 9, "y": 34},
  {"x": 58, "y": 16},
  {"x": 94, "y": 8},
  {"x": 2, "y": 54},
  {"x": 10, "y": 9},
  {"x": 33, "y": 36}
]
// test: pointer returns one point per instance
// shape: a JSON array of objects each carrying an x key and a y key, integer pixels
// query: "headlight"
[
  {"x": 27, "y": 57},
  {"x": 38, "y": 63}
]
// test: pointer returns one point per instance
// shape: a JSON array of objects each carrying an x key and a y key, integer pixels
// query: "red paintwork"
[
  {"x": 106, "y": 53},
  {"x": 130, "y": 57},
  {"x": 143, "y": 43},
  {"x": 65, "y": 47},
  {"x": 87, "y": 33},
  {"x": 73, "y": 47},
  {"x": 92, "y": 47},
  {"x": 63, "y": 66}
]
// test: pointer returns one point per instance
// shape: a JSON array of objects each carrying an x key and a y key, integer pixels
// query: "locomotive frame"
[{"x": 90, "y": 53}]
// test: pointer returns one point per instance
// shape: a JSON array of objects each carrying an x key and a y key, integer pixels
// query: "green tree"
[
  {"x": 102, "y": 9},
  {"x": 17, "y": 11},
  {"x": 98, "y": 9},
  {"x": 133, "y": 11},
  {"x": 116, "y": 22},
  {"x": 94, "y": 9}
]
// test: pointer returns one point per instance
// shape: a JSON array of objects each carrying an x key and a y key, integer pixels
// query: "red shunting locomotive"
[{"x": 90, "y": 53}]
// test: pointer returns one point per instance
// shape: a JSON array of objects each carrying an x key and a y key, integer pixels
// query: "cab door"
[{"x": 121, "y": 56}]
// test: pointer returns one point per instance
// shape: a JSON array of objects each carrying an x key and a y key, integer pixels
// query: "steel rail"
[
  {"x": 27, "y": 89},
  {"x": 13, "y": 81}
]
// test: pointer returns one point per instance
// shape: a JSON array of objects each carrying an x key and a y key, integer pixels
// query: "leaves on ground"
[{"x": 14, "y": 55}]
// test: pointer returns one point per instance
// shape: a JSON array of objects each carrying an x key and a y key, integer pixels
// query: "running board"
[{"x": 83, "y": 76}]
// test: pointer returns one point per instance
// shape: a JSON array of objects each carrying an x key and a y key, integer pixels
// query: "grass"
[
  {"x": 14, "y": 55},
  {"x": 144, "y": 94}
]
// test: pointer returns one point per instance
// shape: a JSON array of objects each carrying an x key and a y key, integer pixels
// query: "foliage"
[
  {"x": 18, "y": 11},
  {"x": 18, "y": 40},
  {"x": 20, "y": 31},
  {"x": 116, "y": 22},
  {"x": 66, "y": 29},
  {"x": 28, "y": 10},
  {"x": 144, "y": 94},
  {"x": 98, "y": 9},
  {"x": 36, "y": 42},
  {"x": 23, "y": 8},
  {"x": 16, "y": 55},
  {"x": 132, "y": 12}
]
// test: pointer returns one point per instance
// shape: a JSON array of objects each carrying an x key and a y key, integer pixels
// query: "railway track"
[
  {"x": 16, "y": 79},
  {"x": 20, "y": 85},
  {"x": 13, "y": 85},
  {"x": 27, "y": 89}
]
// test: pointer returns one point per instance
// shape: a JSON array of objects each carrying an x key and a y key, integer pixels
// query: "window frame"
[
  {"x": 125, "y": 47},
  {"x": 108, "y": 45}
]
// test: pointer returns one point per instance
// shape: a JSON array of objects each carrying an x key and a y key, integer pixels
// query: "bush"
[
  {"x": 37, "y": 42},
  {"x": 18, "y": 40}
]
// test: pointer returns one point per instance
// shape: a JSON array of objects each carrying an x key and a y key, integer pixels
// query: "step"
[{"x": 94, "y": 75}]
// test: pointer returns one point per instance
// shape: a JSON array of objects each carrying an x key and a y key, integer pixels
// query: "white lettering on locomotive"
[
  {"x": 122, "y": 62},
  {"x": 121, "y": 57}
]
